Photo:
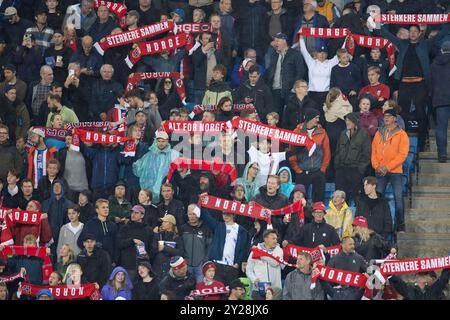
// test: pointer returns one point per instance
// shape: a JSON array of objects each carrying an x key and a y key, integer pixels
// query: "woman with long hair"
[
  {"x": 225, "y": 110},
  {"x": 73, "y": 275},
  {"x": 66, "y": 257},
  {"x": 168, "y": 98},
  {"x": 56, "y": 122},
  {"x": 367, "y": 119},
  {"x": 118, "y": 287},
  {"x": 146, "y": 285}
]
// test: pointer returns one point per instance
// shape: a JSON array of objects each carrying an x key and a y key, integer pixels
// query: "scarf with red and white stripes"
[
  {"x": 67, "y": 292},
  {"x": 204, "y": 165}
]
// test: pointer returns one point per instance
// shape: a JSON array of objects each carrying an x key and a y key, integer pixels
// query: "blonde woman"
[
  {"x": 73, "y": 275},
  {"x": 66, "y": 257},
  {"x": 368, "y": 243},
  {"x": 118, "y": 287}
]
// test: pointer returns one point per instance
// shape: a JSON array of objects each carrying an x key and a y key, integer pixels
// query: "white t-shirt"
[
  {"x": 230, "y": 244},
  {"x": 264, "y": 160}
]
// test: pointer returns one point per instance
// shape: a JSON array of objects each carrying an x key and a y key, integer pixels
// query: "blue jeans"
[
  {"x": 442, "y": 117},
  {"x": 197, "y": 272},
  {"x": 396, "y": 180}
]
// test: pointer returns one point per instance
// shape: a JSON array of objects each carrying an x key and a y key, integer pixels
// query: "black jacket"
[
  {"x": 350, "y": 262},
  {"x": 87, "y": 212},
  {"x": 184, "y": 188},
  {"x": 272, "y": 202},
  {"x": 197, "y": 241},
  {"x": 146, "y": 290},
  {"x": 261, "y": 95},
  {"x": 182, "y": 287},
  {"x": 161, "y": 261},
  {"x": 175, "y": 208},
  {"x": 292, "y": 69},
  {"x": 105, "y": 233},
  {"x": 287, "y": 20},
  {"x": 151, "y": 217},
  {"x": 354, "y": 152},
  {"x": 374, "y": 248},
  {"x": 103, "y": 96},
  {"x": 78, "y": 98},
  {"x": 378, "y": 218},
  {"x": 199, "y": 61},
  {"x": 295, "y": 111},
  {"x": 10, "y": 159},
  {"x": 314, "y": 234},
  {"x": 440, "y": 78},
  {"x": 127, "y": 248},
  {"x": 411, "y": 292},
  {"x": 97, "y": 267},
  {"x": 251, "y": 26}
]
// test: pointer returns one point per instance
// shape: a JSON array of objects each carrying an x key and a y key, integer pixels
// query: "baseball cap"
[
  {"x": 281, "y": 35},
  {"x": 89, "y": 236},
  {"x": 134, "y": 13},
  {"x": 41, "y": 10},
  {"x": 162, "y": 135},
  {"x": 174, "y": 110},
  {"x": 10, "y": 11},
  {"x": 391, "y": 112},
  {"x": 39, "y": 132},
  {"x": 10, "y": 67},
  {"x": 138, "y": 208},
  {"x": 120, "y": 183},
  {"x": 169, "y": 218},
  {"x": 360, "y": 221},
  {"x": 179, "y": 12},
  {"x": 318, "y": 206}
]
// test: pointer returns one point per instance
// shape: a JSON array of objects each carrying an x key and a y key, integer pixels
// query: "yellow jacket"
[
  {"x": 341, "y": 220},
  {"x": 329, "y": 11}
]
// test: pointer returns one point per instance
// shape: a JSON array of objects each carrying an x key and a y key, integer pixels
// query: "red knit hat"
[
  {"x": 37, "y": 204},
  {"x": 319, "y": 206},
  {"x": 360, "y": 221},
  {"x": 208, "y": 265}
]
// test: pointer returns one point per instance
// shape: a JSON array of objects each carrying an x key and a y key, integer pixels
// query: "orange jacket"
[
  {"x": 390, "y": 149},
  {"x": 322, "y": 152}
]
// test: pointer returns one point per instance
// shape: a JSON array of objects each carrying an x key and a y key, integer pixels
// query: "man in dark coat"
[
  {"x": 255, "y": 91},
  {"x": 169, "y": 205},
  {"x": 440, "y": 80},
  {"x": 348, "y": 259},
  {"x": 134, "y": 235},
  {"x": 375, "y": 208},
  {"x": 178, "y": 280},
  {"x": 95, "y": 262},
  {"x": 10, "y": 158}
]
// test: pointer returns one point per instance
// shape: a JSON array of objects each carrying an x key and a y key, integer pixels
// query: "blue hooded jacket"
[
  {"x": 251, "y": 188},
  {"x": 108, "y": 292},
  {"x": 286, "y": 188}
]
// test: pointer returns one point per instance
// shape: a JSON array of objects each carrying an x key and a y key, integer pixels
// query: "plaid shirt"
[
  {"x": 43, "y": 38},
  {"x": 40, "y": 92}
]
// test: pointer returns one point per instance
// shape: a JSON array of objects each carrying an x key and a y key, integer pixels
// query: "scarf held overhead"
[
  {"x": 191, "y": 127},
  {"x": 96, "y": 138},
  {"x": 139, "y": 76},
  {"x": 81, "y": 291},
  {"x": 157, "y": 46},
  {"x": 40, "y": 252},
  {"x": 132, "y": 36},
  {"x": 413, "y": 18},
  {"x": 194, "y": 164},
  {"x": 261, "y": 130},
  {"x": 408, "y": 266},
  {"x": 199, "y": 109},
  {"x": 316, "y": 253}
]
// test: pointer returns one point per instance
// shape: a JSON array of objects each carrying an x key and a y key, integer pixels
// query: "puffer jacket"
[
  {"x": 354, "y": 152},
  {"x": 265, "y": 269},
  {"x": 390, "y": 149},
  {"x": 216, "y": 91},
  {"x": 320, "y": 158}
]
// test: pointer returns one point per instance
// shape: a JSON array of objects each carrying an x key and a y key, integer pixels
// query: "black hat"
[
  {"x": 311, "y": 113},
  {"x": 41, "y": 10},
  {"x": 322, "y": 49},
  {"x": 86, "y": 193},
  {"x": 237, "y": 283},
  {"x": 120, "y": 183},
  {"x": 281, "y": 35},
  {"x": 391, "y": 112},
  {"x": 58, "y": 31},
  {"x": 147, "y": 264},
  {"x": 10, "y": 67},
  {"x": 89, "y": 236},
  {"x": 353, "y": 117}
]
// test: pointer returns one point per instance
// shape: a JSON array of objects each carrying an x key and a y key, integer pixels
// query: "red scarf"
[
  {"x": 291, "y": 251},
  {"x": 342, "y": 277},
  {"x": 95, "y": 137},
  {"x": 139, "y": 76},
  {"x": 16, "y": 216},
  {"x": 322, "y": 33},
  {"x": 55, "y": 133},
  {"x": 194, "y": 164},
  {"x": 191, "y": 127},
  {"x": 39, "y": 252},
  {"x": 11, "y": 277},
  {"x": 258, "y": 253},
  {"x": 262, "y": 130},
  {"x": 199, "y": 109},
  {"x": 133, "y": 36},
  {"x": 157, "y": 46},
  {"x": 230, "y": 206},
  {"x": 129, "y": 149},
  {"x": 97, "y": 125},
  {"x": 193, "y": 28},
  {"x": 413, "y": 18},
  {"x": 118, "y": 9},
  {"x": 354, "y": 40},
  {"x": 210, "y": 291},
  {"x": 63, "y": 292},
  {"x": 408, "y": 266}
]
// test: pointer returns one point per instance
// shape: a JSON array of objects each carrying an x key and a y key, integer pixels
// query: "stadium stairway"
[{"x": 428, "y": 213}]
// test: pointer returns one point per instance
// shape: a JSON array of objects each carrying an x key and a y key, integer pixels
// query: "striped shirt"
[{"x": 43, "y": 38}]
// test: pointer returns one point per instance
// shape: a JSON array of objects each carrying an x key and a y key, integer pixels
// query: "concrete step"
[
  {"x": 433, "y": 145},
  {"x": 434, "y": 179},
  {"x": 430, "y": 202},
  {"x": 432, "y": 239},
  {"x": 428, "y": 226},
  {"x": 427, "y": 214},
  {"x": 409, "y": 250},
  {"x": 431, "y": 191},
  {"x": 433, "y": 167},
  {"x": 432, "y": 133}
]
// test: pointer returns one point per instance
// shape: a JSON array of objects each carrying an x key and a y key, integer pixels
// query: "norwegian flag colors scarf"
[
  {"x": 193, "y": 28},
  {"x": 261, "y": 130},
  {"x": 408, "y": 266},
  {"x": 139, "y": 76},
  {"x": 16, "y": 216},
  {"x": 39, "y": 252},
  {"x": 322, "y": 33},
  {"x": 194, "y": 164},
  {"x": 316, "y": 253},
  {"x": 95, "y": 137},
  {"x": 413, "y": 18},
  {"x": 96, "y": 125},
  {"x": 55, "y": 133},
  {"x": 81, "y": 291},
  {"x": 191, "y": 127},
  {"x": 12, "y": 277},
  {"x": 157, "y": 46},
  {"x": 133, "y": 36},
  {"x": 199, "y": 109},
  {"x": 210, "y": 291}
]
